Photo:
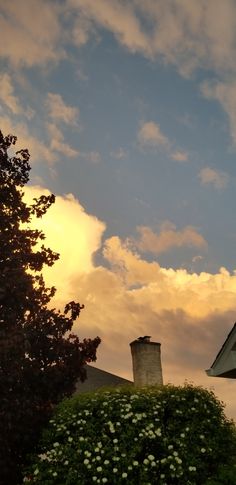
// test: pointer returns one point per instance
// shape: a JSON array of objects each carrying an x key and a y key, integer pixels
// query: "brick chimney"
[{"x": 146, "y": 359}]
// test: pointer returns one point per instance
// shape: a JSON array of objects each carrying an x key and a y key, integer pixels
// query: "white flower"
[
  {"x": 86, "y": 461},
  {"x": 70, "y": 439},
  {"x": 94, "y": 479},
  {"x": 99, "y": 469},
  {"x": 66, "y": 462},
  {"x": 151, "y": 457},
  {"x": 54, "y": 474},
  {"x": 43, "y": 456},
  {"x": 182, "y": 435},
  {"x": 203, "y": 450},
  {"x": 179, "y": 461},
  {"x": 115, "y": 440},
  {"x": 55, "y": 444},
  {"x": 115, "y": 470},
  {"x": 146, "y": 461},
  {"x": 106, "y": 462},
  {"x": 192, "y": 468},
  {"x": 104, "y": 480},
  {"x": 135, "y": 463},
  {"x": 36, "y": 471},
  {"x": 124, "y": 475}
]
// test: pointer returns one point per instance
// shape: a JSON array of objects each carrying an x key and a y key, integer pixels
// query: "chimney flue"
[{"x": 146, "y": 359}]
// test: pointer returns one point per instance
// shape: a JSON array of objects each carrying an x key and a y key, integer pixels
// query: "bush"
[{"x": 165, "y": 436}]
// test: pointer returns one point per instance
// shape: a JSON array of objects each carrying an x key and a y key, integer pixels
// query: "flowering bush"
[{"x": 165, "y": 436}]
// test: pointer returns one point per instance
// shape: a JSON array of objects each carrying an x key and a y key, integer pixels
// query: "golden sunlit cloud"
[
  {"x": 127, "y": 296},
  {"x": 168, "y": 237},
  {"x": 71, "y": 232}
]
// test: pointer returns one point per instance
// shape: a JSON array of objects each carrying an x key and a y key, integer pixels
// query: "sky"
[{"x": 128, "y": 109}]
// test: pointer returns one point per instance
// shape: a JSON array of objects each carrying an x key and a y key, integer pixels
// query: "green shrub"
[{"x": 165, "y": 436}]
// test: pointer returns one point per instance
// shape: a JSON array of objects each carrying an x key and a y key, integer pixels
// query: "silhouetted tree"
[{"x": 40, "y": 360}]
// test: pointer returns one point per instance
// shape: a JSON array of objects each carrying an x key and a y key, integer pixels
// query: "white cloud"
[
  {"x": 58, "y": 110},
  {"x": 150, "y": 134},
  {"x": 210, "y": 176}
]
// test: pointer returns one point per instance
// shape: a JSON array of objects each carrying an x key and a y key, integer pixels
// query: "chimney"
[{"x": 146, "y": 358}]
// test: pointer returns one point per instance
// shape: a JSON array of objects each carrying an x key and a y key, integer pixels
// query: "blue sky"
[{"x": 130, "y": 107}]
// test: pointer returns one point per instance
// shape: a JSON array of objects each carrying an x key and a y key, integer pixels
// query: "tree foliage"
[{"x": 40, "y": 359}]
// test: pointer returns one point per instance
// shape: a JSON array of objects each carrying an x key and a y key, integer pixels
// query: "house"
[
  {"x": 224, "y": 364},
  {"x": 147, "y": 369}
]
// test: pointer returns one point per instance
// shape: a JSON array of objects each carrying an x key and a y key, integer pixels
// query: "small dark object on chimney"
[{"x": 145, "y": 338}]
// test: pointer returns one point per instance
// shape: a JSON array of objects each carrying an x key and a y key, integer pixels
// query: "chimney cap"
[{"x": 146, "y": 338}]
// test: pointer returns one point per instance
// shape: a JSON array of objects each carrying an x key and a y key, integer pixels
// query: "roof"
[
  {"x": 224, "y": 364},
  {"x": 97, "y": 378}
]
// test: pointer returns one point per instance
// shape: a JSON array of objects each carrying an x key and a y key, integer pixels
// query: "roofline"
[{"x": 222, "y": 348}]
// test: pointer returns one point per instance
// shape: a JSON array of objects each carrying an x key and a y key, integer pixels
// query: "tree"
[{"x": 40, "y": 360}]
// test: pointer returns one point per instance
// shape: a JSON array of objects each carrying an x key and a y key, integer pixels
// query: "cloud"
[
  {"x": 225, "y": 93},
  {"x": 210, "y": 176},
  {"x": 184, "y": 33},
  {"x": 150, "y": 135},
  {"x": 168, "y": 238},
  {"x": 93, "y": 156},
  {"x": 30, "y": 32},
  {"x": 57, "y": 142},
  {"x": 7, "y": 95},
  {"x": 128, "y": 296},
  {"x": 70, "y": 231},
  {"x": 58, "y": 110},
  {"x": 119, "y": 154},
  {"x": 180, "y": 156},
  {"x": 37, "y": 147},
  {"x": 118, "y": 18}
]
